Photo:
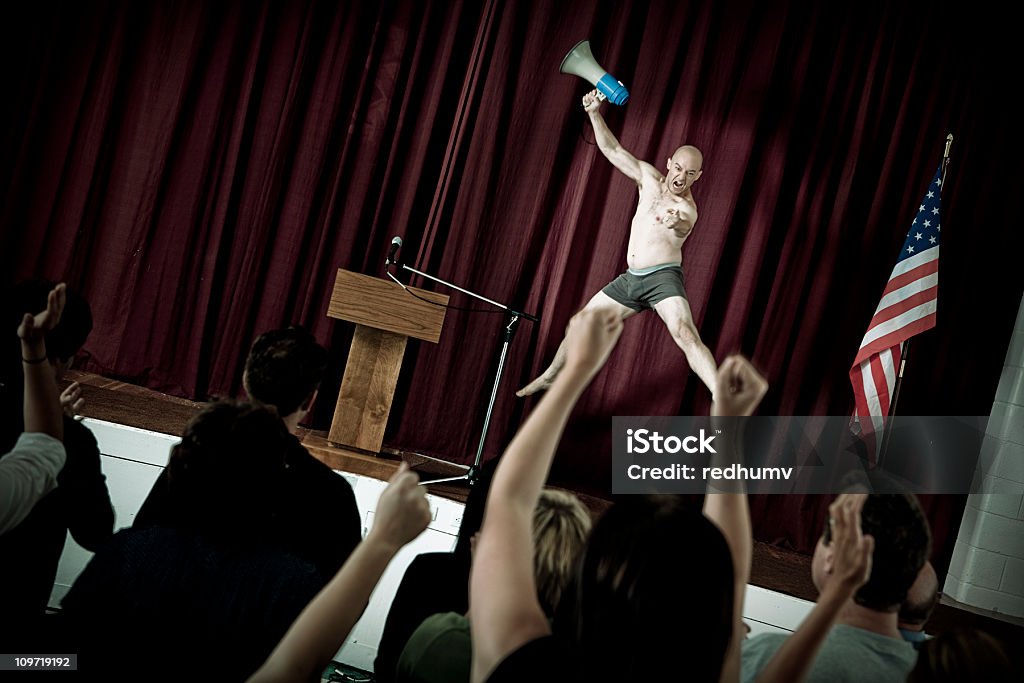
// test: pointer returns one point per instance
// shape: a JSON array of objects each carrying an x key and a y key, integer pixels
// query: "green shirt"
[
  {"x": 848, "y": 655},
  {"x": 439, "y": 651}
]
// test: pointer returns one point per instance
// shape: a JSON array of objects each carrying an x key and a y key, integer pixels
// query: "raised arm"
[
  {"x": 504, "y": 611},
  {"x": 739, "y": 389},
  {"x": 43, "y": 412},
  {"x": 308, "y": 646},
  {"x": 30, "y": 470},
  {"x": 609, "y": 144},
  {"x": 852, "y": 551}
]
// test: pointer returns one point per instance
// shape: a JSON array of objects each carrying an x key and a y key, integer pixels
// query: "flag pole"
[
  {"x": 904, "y": 352},
  {"x": 945, "y": 161}
]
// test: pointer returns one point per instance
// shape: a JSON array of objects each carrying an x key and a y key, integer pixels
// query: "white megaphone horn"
[{"x": 580, "y": 62}]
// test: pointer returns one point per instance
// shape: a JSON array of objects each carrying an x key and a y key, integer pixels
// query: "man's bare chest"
[{"x": 668, "y": 212}]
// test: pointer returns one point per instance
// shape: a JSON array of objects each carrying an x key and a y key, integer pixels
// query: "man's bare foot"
[{"x": 539, "y": 384}]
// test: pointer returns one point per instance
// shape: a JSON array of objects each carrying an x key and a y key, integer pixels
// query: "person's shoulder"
[
  {"x": 447, "y": 621},
  {"x": 83, "y": 451},
  {"x": 38, "y": 440},
  {"x": 439, "y": 649},
  {"x": 323, "y": 503},
  {"x": 441, "y": 629},
  {"x": 129, "y": 547},
  {"x": 436, "y": 559},
  {"x": 77, "y": 433},
  {"x": 880, "y": 658},
  {"x": 297, "y": 455},
  {"x": 859, "y": 639},
  {"x": 649, "y": 171},
  {"x": 305, "y": 464},
  {"x": 36, "y": 446},
  {"x": 441, "y": 633},
  {"x": 540, "y": 660},
  {"x": 764, "y": 641},
  {"x": 756, "y": 652},
  {"x": 428, "y": 567},
  {"x": 156, "y": 536}
]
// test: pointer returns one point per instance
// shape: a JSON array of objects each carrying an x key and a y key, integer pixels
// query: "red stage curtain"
[{"x": 201, "y": 170}]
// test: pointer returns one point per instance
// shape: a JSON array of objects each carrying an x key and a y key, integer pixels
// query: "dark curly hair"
[
  {"x": 284, "y": 368},
  {"x": 224, "y": 477}
]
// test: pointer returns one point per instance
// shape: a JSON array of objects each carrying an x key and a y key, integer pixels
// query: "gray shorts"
[{"x": 643, "y": 291}]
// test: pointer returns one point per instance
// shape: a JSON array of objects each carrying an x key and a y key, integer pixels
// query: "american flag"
[{"x": 907, "y": 308}]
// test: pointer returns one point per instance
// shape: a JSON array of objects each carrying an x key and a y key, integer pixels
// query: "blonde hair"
[{"x": 560, "y": 528}]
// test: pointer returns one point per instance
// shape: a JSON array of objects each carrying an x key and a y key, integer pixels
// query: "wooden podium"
[{"x": 385, "y": 316}]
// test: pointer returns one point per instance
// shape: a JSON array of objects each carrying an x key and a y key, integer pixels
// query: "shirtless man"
[{"x": 664, "y": 219}]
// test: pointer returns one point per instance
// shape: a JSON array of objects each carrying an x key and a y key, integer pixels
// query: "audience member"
[
  {"x": 318, "y": 518},
  {"x": 80, "y": 504},
  {"x": 660, "y": 591},
  {"x": 237, "y": 538},
  {"x": 434, "y": 583},
  {"x": 851, "y": 568},
  {"x": 963, "y": 655},
  {"x": 865, "y": 644},
  {"x": 402, "y": 514},
  {"x": 210, "y": 596},
  {"x": 917, "y": 608},
  {"x": 440, "y": 650},
  {"x": 634, "y": 585},
  {"x": 29, "y": 470}
]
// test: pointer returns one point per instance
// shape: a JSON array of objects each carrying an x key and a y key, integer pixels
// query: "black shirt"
[
  {"x": 541, "y": 660},
  {"x": 433, "y": 583},
  {"x": 317, "y": 519},
  {"x": 30, "y": 553},
  {"x": 164, "y": 603}
]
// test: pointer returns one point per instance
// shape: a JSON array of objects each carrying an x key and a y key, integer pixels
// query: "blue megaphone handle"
[{"x": 613, "y": 90}]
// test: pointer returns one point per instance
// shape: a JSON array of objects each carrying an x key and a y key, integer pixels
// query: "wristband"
[{"x": 33, "y": 361}]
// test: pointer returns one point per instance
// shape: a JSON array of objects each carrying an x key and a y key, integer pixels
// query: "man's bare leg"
[
  {"x": 675, "y": 312},
  {"x": 598, "y": 301}
]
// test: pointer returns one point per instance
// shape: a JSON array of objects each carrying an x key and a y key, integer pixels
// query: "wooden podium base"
[{"x": 367, "y": 389}]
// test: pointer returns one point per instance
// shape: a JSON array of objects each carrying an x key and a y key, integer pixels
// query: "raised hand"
[
  {"x": 850, "y": 569},
  {"x": 739, "y": 388},
  {"x": 851, "y": 549},
  {"x": 591, "y": 101},
  {"x": 33, "y": 328},
  {"x": 71, "y": 400},
  {"x": 590, "y": 338},
  {"x": 402, "y": 510}
]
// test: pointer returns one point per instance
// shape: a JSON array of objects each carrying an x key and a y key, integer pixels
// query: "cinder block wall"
[{"x": 987, "y": 569}]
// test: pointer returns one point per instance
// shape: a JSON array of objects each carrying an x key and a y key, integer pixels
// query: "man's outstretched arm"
[{"x": 609, "y": 144}]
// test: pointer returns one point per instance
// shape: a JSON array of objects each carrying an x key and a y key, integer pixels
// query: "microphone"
[{"x": 396, "y": 244}]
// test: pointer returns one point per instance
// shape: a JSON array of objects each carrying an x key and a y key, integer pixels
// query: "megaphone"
[{"x": 580, "y": 62}]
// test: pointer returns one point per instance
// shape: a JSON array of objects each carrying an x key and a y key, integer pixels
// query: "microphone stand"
[{"x": 512, "y": 318}]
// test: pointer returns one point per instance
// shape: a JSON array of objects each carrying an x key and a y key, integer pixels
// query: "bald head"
[
  {"x": 691, "y": 154},
  {"x": 683, "y": 169},
  {"x": 921, "y": 599}
]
